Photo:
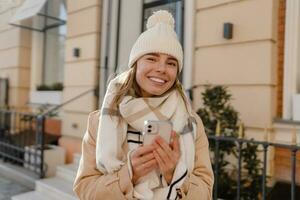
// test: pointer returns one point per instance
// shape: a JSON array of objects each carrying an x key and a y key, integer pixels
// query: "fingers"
[
  {"x": 143, "y": 169},
  {"x": 143, "y": 150},
  {"x": 160, "y": 142},
  {"x": 175, "y": 142},
  {"x": 159, "y": 160},
  {"x": 149, "y": 165},
  {"x": 167, "y": 155},
  {"x": 144, "y": 158},
  {"x": 169, "y": 150},
  {"x": 165, "y": 158},
  {"x": 159, "y": 154}
]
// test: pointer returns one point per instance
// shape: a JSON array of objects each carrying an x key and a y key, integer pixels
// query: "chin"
[{"x": 157, "y": 93}]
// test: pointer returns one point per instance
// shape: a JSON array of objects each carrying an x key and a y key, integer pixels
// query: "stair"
[
  {"x": 76, "y": 159},
  {"x": 34, "y": 195},
  {"x": 67, "y": 172},
  {"x": 59, "y": 187},
  {"x": 56, "y": 188}
]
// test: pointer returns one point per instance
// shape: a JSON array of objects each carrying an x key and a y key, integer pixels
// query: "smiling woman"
[
  {"x": 156, "y": 73},
  {"x": 115, "y": 162}
]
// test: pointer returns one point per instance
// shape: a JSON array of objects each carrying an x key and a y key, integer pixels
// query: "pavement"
[{"x": 9, "y": 188}]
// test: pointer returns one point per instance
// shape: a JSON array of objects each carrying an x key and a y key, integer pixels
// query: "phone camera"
[
  {"x": 149, "y": 130},
  {"x": 149, "y": 126}
]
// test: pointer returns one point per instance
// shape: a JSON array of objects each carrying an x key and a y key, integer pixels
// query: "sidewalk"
[{"x": 9, "y": 188}]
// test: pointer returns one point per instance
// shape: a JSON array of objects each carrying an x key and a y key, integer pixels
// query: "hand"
[
  {"x": 142, "y": 162},
  {"x": 167, "y": 155}
]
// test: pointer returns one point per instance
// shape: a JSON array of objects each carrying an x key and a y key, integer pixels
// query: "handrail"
[
  {"x": 40, "y": 130},
  {"x": 67, "y": 102}
]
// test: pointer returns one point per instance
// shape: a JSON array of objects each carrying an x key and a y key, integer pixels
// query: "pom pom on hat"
[
  {"x": 160, "y": 16},
  {"x": 160, "y": 37}
]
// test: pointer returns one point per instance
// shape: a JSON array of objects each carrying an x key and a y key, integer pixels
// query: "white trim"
[
  {"x": 46, "y": 97},
  {"x": 291, "y": 55},
  {"x": 108, "y": 42},
  {"x": 296, "y": 107},
  {"x": 103, "y": 53},
  {"x": 188, "y": 62},
  {"x": 113, "y": 32}
]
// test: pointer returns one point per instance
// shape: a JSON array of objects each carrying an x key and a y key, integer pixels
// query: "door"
[{"x": 122, "y": 23}]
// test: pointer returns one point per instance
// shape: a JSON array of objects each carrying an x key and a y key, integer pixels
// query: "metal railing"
[
  {"x": 23, "y": 138},
  {"x": 218, "y": 140},
  {"x": 20, "y": 140}
]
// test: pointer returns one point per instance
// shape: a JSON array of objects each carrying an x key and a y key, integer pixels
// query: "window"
[
  {"x": 3, "y": 92},
  {"x": 175, "y": 7},
  {"x": 291, "y": 80},
  {"x": 48, "y": 27},
  {"x": 48, "y": 19},
  {"x": 54, "y": 43}
]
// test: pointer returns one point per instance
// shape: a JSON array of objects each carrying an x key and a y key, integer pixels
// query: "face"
[{"x": 156, "y": 73}]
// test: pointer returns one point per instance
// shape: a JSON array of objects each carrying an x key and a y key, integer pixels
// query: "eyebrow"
[
  {"x": 157, "y": 55},
  {"x": 152, "y": 54}
]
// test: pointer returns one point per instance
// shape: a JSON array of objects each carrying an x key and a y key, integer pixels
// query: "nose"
[{"x": 161, "y": 66}]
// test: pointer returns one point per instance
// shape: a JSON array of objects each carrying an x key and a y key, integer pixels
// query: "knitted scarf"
[{"x": 134, "y": 111}]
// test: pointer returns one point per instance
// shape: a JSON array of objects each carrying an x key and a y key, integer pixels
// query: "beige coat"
[{"x": 91, "y": 184}]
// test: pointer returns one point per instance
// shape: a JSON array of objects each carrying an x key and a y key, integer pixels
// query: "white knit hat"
[{"x": 159, "y": 37}]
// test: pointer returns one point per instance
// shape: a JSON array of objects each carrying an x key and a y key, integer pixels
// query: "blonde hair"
[{"x": 130, "y": 83}]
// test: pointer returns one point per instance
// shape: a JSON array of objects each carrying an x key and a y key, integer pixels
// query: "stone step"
[
  {"x": 67, "y": 172},
  {"x": 33, "y": 195},
  {"x": 56, "y": 188},
  {"x": 76, "y": 158},
  {"x": 19, "y": 174}
]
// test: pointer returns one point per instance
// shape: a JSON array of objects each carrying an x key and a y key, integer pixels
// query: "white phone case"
[{"x": 153, "y": 128}]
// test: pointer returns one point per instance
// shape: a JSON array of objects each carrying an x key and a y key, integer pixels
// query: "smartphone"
[{"x": 153, "y": 128}]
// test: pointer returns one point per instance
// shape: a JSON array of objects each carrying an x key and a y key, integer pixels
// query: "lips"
[{"x": 158, "y": 80}]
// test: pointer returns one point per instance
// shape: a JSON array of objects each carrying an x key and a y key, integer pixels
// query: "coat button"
[{"x": 179, "y": 193}]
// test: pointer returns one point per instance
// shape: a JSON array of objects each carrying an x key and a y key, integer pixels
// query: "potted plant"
[
  {"x": 52, "y": 123},
  {"x": 217, "y": 111}
]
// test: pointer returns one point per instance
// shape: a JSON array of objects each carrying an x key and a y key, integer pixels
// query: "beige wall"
[
  {"x": 81, "y": 74},
  {"x": 246, "y": 63},
  {"x": 15, "y": 53}
]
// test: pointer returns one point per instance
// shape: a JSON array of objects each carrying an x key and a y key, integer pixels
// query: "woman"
[{"x": 114, "y": 163}]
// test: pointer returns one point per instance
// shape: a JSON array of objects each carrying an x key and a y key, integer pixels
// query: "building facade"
[{"x": 258, "y": 62}]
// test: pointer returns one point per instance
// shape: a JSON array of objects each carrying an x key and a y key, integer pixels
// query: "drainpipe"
[
  {"x": 105, "y": 42},
  {"x": 189, "y": 48},
  {"x": 109, "y": 42}
]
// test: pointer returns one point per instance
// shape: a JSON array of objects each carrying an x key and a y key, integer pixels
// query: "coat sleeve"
[
  {"x": 90, "y": 183},
  {"x": 200, "y": 181}
]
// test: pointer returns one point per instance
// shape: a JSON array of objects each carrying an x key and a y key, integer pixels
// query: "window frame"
[
  {"x": 291, "y": 60},
  {"x": 38, "y": 65}
]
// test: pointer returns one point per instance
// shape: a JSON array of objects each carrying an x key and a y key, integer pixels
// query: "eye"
[
  {"x": 172, "y": 64},
  {"x": 150, "y": 58}
]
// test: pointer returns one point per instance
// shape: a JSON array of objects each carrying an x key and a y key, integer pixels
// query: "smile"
[{"x": 157, "y": 80}]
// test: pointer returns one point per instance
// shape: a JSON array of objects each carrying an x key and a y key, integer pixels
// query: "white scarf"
[{"x": 134, "y": 111}]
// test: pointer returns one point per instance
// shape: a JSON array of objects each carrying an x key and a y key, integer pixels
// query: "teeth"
[{"x": 157, "y": 80}]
